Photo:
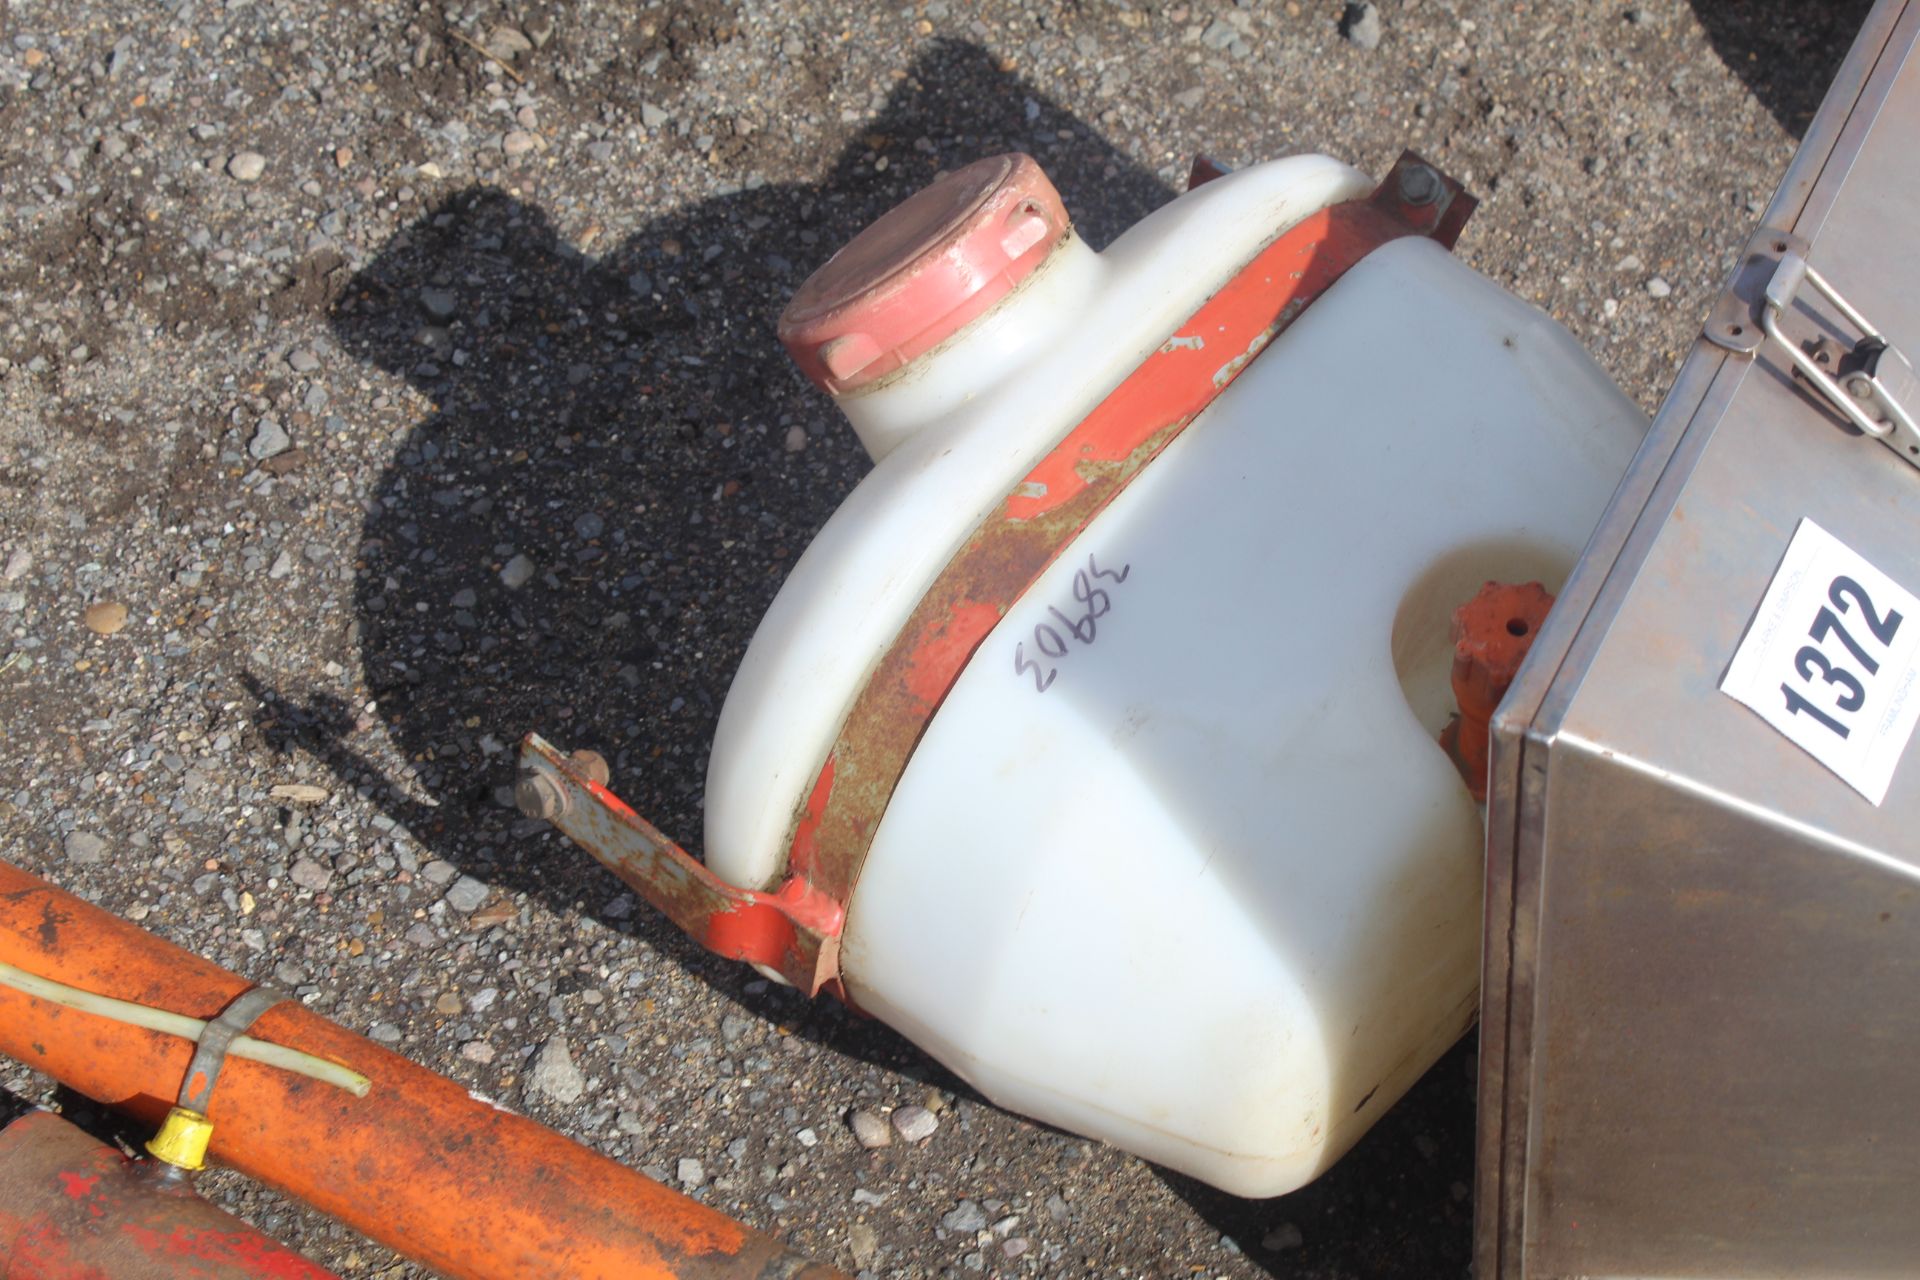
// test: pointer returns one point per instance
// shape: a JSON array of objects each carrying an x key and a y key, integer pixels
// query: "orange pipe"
[{"x": 419, "y": 1164}]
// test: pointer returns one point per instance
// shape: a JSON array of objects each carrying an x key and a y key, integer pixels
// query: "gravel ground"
[{"x": 365, "y": 402}]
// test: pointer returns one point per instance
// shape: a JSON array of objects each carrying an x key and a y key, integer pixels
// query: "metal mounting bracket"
[
  {"x": 791, "y": 934},
  {"x": 1735, "y": 322}
]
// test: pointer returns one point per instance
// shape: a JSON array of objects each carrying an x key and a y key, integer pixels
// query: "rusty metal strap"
[
  {"x": 832, "y": 832},
  {"x": 785, "y": 931},
  {"x": 210, "y": 1050}
]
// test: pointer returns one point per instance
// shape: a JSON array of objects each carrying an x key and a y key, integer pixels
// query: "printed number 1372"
[{"x": 1815, "y": 668}]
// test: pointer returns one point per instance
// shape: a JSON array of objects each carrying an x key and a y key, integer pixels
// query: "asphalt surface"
[{"x": 315, "y": 321}]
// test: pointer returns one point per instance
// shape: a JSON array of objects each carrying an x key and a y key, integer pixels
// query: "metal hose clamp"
[{"x": 184, "y": 1135}]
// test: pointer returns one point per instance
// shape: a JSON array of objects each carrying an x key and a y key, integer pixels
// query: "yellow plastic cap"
[{"x": 182, "y": 1140}]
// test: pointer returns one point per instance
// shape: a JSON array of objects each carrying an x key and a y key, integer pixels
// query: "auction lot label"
[{"x": 1832, "y": 660}]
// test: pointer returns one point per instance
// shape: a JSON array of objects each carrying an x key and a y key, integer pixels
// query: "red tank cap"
[{"x": 923, "y": 271}]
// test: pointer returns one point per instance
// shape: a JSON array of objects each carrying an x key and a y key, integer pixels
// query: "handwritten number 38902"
[
  {"x": 1052, "y": 641},
  {"x": 1811, "y": 664}
]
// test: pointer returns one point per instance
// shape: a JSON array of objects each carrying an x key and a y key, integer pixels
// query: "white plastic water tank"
[{"x": 1198, "y": 879}]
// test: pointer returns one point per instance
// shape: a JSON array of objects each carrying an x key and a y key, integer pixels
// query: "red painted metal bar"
[
  {"x": 419, "y": 1164},
  {"x": 72, "y": 1208}
]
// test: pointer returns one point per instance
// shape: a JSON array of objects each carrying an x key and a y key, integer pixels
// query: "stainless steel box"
[{"x": 1700, "y": 1013}]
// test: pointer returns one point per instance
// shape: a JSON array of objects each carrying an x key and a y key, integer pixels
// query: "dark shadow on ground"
[
  {"x": 110, "y": 1127},
  {"x": 1787, "y": 51},
  {"x": 13, "y": 1106}
]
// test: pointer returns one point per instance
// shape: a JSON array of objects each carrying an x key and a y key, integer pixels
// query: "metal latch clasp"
[{"x": 1872, "y": 385}]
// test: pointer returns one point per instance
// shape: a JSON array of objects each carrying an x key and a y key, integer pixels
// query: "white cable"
[{"x": 179, "y": 1024}]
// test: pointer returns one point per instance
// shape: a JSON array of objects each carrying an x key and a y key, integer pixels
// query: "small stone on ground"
[
  {"x": 1360, "y": 24},
  {"x": 308, "y": 874},
  {"x": 467, "y": 894},
  {"x": 965, "y": 1218},
  {"x": 269, "y": 439},
  {"x": 554, "y": 1075},
  {"x": 85, "y": 848},
  {"x": 915, "y": 1124},
  {"x": 1283, "y": 1237},
  {"x": 439, "y": 304},
  {"x": 105, "y": 618},
  {"x": 517, "y": 573},
  {"x": 869, "y": 1130}
]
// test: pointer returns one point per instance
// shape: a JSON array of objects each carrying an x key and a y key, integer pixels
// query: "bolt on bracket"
[{"x": 1736, "y": 321}]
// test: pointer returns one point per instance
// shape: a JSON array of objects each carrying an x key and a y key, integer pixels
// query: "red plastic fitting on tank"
[{"x": 1492, "y": 634}]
